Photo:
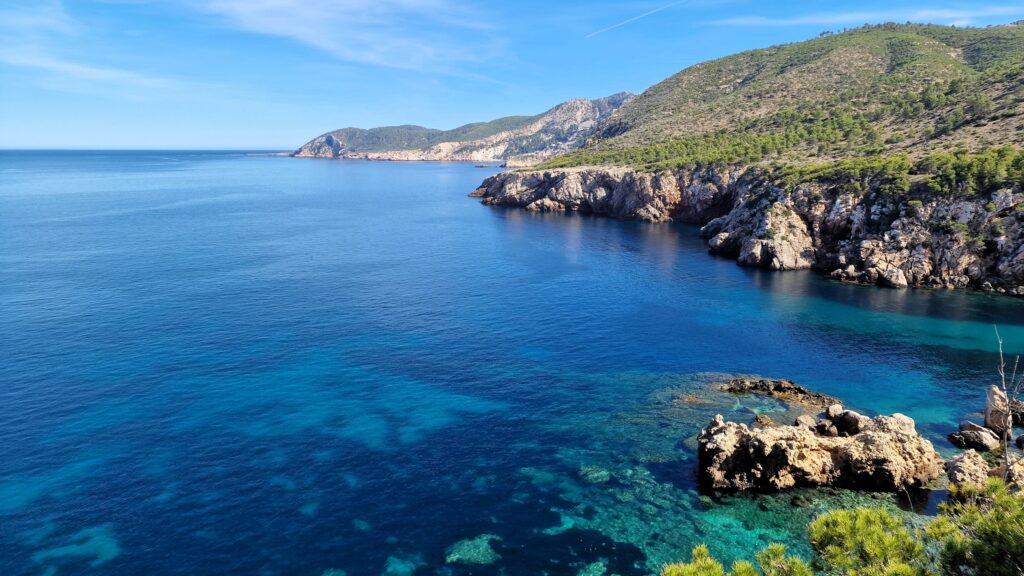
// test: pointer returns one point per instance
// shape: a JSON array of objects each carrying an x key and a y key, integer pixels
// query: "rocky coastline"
[
  {"x": 843, "y": 448},
  {"x": 871, "y": 236}
]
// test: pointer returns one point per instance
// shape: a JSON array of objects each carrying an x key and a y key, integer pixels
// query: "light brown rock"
[
  {"x": 887, "y": 455},
  {"x": 998, "y": 417},
  {"x": 967, "y": 468}
]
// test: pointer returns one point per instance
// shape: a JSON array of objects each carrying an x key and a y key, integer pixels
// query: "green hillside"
[
  {"x": 410, "y": 137},
  {"x": 877, "y": 90}
]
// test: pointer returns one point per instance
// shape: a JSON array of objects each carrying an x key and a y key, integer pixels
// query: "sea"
[{"x": 224, "y": 363}]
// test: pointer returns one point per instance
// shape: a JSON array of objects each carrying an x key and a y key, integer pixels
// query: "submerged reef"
[{"x": 473, "y": 551}]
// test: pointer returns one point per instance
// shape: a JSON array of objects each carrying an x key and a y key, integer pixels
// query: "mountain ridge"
[{"x": 516, "y": 139}]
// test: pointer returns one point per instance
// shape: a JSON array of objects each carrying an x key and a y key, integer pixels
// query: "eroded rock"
[
  {"x": 967, "y": 468},
  {"x": 888, "y": 454},
  {"x": 870, "y": 236},
  {"x": 997, "y": 411}
]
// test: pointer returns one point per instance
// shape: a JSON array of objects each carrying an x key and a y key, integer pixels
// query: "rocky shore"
[
  {"x": 842, "y": 448},
  {"x": 847, "y": 450},
  {"x": 874, "y": 237}
]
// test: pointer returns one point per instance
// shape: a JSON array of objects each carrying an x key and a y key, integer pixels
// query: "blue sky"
[{"x": 273, "y": 73}]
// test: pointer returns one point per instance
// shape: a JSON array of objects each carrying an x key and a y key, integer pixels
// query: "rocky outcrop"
[
  {"x": 886, "y": 454},
  {"x": 1017, "y": 412},
  {"x": 519, "y": 141},
  {"x": 998, "y": 417},
  {"x": 975, "y": 437},
  {"x": 893, "y": 240},
  {"x": 785, "y": 390},
  {"x": 967, "y": 468}
]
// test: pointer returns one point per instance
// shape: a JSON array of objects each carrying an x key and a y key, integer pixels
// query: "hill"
[
  {"x": 888, "y": 88},
  {"x": 889, "y": 155},
  {"x": 526, "y": 138}
]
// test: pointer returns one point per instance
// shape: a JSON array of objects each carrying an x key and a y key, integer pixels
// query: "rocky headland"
[
  {"x": 516, "y": 140},
  {"x": 867, "y": 235}
]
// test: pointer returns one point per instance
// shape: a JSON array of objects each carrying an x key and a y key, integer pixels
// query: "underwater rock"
[
  {"x": 98, "y": 544},
  {"x": 785, "y": 390},
  {"x": 599, "y": 568},
  {"x": 997, "y": 411},
  {"x": 403, "y": 566},
  {"x": 763, "y": 420},
  {"x": 473, "y": 551},
  {"x": 334, "y": 572},
  {"x": 886, "y": 455},
  {"x": 1020, "y": 441},
  {"x": 967, "y": 468},
  {"x": 974, "y": 436},
  {"x": 594, "y": 474}
]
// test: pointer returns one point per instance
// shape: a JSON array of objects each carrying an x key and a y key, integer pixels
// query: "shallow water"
[{"x": 223, "y": 364}]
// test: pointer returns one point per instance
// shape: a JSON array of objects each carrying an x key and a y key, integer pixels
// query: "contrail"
[{"x": 635, "y": 18}]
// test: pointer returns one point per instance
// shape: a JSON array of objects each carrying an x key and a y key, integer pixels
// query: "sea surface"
[{"x": 218, "y": 363}]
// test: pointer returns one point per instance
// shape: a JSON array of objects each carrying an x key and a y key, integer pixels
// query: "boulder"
[
  {"x": 808, "y": 422},
  {"x": 967, "y": 468},
  {"x": 886, "y": 455},
  {"x": 973, "y": 436},
  {"x": 834, "y": 410},
  {"x": 849, "y": 422},
  {"x": 1020, "y": 442},
  {"x": 997, "y": 411}
]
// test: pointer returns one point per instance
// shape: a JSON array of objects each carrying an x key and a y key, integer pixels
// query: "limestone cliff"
[
  {"x": 871, "y": 236},
  {"x": 518, "y": 140}
]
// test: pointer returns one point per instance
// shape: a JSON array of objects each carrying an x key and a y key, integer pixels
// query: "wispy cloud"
[
  {"x": 635, "y": 18},
  {"x": 32, "y": 35},
  {"x": 408, "y": 34},
  {"x": 959, "y": 17}
]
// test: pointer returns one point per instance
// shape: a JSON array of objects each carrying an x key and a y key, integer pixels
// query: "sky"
[{"x": 272, "y": 74}]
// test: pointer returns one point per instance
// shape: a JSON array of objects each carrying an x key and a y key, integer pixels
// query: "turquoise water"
[{"x": 216, "y": 363}]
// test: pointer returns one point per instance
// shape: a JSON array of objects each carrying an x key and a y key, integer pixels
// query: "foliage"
[
  {"x": 772, "y": 561},
  {"x": 981, "y": 531},
  {"x": 978, "y": 532},
  {"x": 965, "y": 174},
  {"x": 876, "y": 90},
  {"x": 866, "y": 542}
]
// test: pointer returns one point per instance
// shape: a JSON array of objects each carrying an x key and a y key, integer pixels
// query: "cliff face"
[
  {"x": 912, "y": 239},
  {"x": 517, "y": 140}
]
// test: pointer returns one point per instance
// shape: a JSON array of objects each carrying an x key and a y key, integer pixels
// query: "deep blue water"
[{"x": 215, "y": 363}]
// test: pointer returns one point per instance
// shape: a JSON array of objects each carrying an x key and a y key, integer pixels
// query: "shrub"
[
  {"x": 772, "y": 560},
  {"x": 978, "y": 532},
  {"x": 866, "y": 542},
  {"x": 981, "y": 531}
]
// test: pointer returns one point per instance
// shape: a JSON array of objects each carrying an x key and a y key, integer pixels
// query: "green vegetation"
[
  {"x": 885, "y": 90},
  {"x": 866, "y": 541},
  {"x": 979, "y": 532},
  {"x": 772, "y": 560}
]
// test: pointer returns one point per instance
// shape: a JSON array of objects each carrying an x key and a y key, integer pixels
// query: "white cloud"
[
  {"x": 938, "y": 16},
  {"x": 36, "y": 36},
  {"x": 411, "y": 34}
]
